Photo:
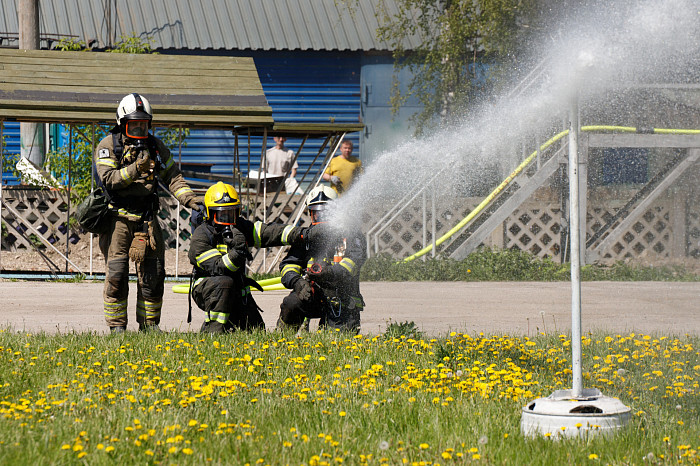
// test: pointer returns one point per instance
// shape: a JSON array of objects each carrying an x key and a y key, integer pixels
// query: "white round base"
[{"x": 563, "y": 415}]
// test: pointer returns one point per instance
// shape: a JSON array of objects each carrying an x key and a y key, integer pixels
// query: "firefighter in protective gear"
[
  {"x": 129, "y": 163},
  {"x": 324, "y": 272},
  {"x": 219, "y": 248}
]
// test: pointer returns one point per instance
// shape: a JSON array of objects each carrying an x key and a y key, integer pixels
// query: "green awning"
[{"x": 85, "y": 87}]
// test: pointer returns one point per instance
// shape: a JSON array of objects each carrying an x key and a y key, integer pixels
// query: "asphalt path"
[{"x": 437, "y": 308}]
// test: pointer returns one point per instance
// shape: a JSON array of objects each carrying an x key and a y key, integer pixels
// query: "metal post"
[
  {"x": 2, "y": 155},
  {"x": 425, "y": 222},
  {"x": 92, "y": 186},
  {"x": 575, "y": 238},
  {"x": 177, "y": 221},
  {"x": 434, "y": 221},
  {"x": 70, "y": 166}
]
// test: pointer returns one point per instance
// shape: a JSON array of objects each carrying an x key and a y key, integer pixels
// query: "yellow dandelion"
[
  {"x": 187, "y": 451},
  {"x": 423, "y": 446},
  {"x": 592, "y": 456}
]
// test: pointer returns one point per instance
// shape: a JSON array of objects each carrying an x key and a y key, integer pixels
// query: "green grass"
[
  {"x": 489, "y": 264},
  {"x": 331, "y": 398}
]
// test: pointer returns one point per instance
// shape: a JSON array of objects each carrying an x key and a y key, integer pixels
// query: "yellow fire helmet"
[{"x": 222, "y": 204}]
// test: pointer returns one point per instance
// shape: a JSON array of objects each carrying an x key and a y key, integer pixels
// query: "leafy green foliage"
[
  {"x": 402, "y": 329},
  {"x": 457, "y": 38},
  {"x": 488, "y": 264}
]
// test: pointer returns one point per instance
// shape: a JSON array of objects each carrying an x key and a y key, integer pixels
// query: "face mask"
[
  {"x": 137, "y": 129},
  {"x": 226, "y": 217}
]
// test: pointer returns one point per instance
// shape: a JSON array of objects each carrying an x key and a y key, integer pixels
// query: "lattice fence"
[
  {"x": 45, "y": 211},
  {"x": 536, "y": 227},
  {"x": 34, "y": 212}
]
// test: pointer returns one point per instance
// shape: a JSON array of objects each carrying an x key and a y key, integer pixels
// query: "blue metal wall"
[
  {"x": 10, "y": 133},
  {"x": 308, "y": 87}
]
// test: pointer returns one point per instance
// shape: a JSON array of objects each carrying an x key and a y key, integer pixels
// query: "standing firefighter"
[
  {"x": 218, "y": 252},
  {"x": 129, "y": 163},
  {"x": 324, "y": 273}
]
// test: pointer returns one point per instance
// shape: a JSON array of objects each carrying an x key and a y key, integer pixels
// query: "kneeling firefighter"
[
  {"x": 324, "y": 271},
  {"x": 218, "y": 252},
  {"x": 130, "y": 163}
]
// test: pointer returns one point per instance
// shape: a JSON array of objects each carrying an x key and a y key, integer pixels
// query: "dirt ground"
[{"x": 515, "y": 308}]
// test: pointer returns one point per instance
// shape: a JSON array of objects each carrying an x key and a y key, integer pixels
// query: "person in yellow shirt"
[{"x": 343, "y": 169}]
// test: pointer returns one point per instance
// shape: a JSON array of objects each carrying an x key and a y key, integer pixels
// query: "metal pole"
[
  {"x": 177, "y": 221},
  {"x": 434, "y": 221},
  {"x": 575, "y": 238},
  {"x": 2, "y": 156},
  {"x": 425, "y": 221},
  {"x": 70, "y": 166},
  {"x": 92, "y": 186}
]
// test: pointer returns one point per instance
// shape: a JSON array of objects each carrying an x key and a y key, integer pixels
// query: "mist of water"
[{"x": 612, "y": 43}]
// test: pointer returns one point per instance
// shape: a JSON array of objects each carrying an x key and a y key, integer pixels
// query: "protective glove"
[
  {"x": 151, "y": 236},
  {"x": 303, "y": 290},
  {"x": 326, "y": 274},
  {"x": 196, "y": 203},
  {"x": 237, "y": 247},
  {"x": 137, "y": 250},
  {"x": 321, "y": 234},
  {"x": 335, "y": 180},
  {"x": 143, "y": 163}
]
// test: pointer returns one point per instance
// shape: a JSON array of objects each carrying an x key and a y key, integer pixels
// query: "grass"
[
  {"x": 489, "y": 264},
  {"x": 332, "y": 398}
]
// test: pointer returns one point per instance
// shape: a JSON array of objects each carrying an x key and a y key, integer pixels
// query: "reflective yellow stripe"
[
  {"x": 285, "y": 234},
  {"x": 256, "y": 234},
  {"x": 311, "y": 262},
  {"x": 115, "y": 310},
  {"x": 125, "y": 175},
  {"x": 348, "y": 265},
  {"x": 148, "y": 308},
  {"x": 128, "y": 214},
  {"x": 291, "y": 268},
  {"x": 169, "y": 163},
  {"x": 206, "y": 255},
  {"x": 229, "y": 265},
  {"x": 197, "y": 282},
  {"x": 222, "y": 248},
  {"x": 220, "y": 317},
  {"x": 182, "y": 191},
  {"x": 107, "y": 162}
]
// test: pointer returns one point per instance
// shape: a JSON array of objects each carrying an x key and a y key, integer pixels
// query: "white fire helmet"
[
  {"x": 136, "y": 109},
  {"x": 319, "y": 197}
]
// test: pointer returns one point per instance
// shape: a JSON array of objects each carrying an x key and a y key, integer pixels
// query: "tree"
[{"x": 458, "y": 39}]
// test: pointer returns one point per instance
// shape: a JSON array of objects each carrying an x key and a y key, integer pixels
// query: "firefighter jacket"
[
  {"x": 341, "y": 257},
  {"x": 133, "y": 195},
  {"x": 210, "y": 256}
]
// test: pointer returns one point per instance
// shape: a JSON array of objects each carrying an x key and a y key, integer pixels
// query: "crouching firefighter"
[
  {"x": 129, "y": 164},
  {"x": 324, "y": 271},
  {"x": 218, "y": 252}
]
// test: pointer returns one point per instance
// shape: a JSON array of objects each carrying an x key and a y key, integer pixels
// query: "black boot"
[
  {"x": 120, "y": 329},
  {"x": 149, "y": 327},
  {"x": 213, "y": 327}
]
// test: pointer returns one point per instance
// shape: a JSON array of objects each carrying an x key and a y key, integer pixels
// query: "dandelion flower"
[
  {"x": 383, "y": 445},
  {"x": 483, "y": 440}
]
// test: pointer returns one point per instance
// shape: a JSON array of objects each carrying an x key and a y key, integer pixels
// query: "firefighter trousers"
[
  {"x": 293, "y": 311},
  {"x": 150, "y": 273},
  {"x": 228, "y": 304}
]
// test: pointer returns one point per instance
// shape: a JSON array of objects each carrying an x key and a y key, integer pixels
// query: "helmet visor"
[
  {"x": 320, "y": 213},
  {"x": 226, "y": 216},
  {"x": 137, "y": 129}
]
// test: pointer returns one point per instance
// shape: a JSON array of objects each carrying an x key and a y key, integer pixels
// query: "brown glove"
[
  {"x": 143, "y": 163},
  {"x": 151, "y": 236},
  {"x": 137, "y": 250}
]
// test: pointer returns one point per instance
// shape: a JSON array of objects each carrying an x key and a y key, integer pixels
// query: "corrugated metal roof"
[{"x": 212, "y": 24}]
